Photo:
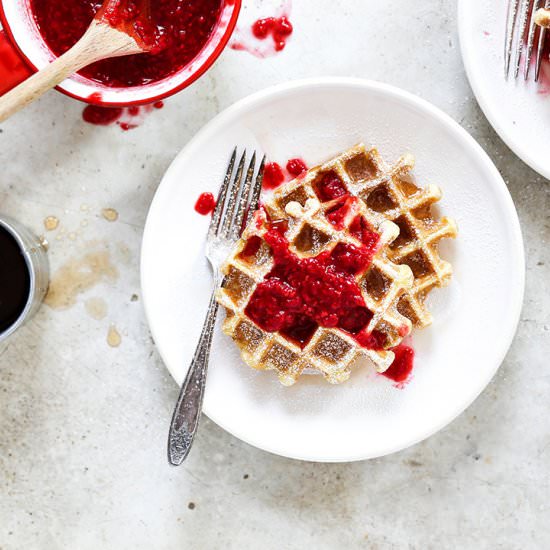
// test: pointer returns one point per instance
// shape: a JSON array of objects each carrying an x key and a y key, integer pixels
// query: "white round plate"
[
  {"x": 475, "y": 318},
  {"x": 519, "y": 111}
]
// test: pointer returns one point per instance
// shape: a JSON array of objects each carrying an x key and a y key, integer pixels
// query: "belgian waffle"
[
  {"x": 330, "y": 351},
  {"x": 388, "y": 193}
]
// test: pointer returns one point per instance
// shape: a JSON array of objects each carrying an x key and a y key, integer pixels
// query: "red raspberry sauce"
[
  {"x": 131, "y": 17},
  {"x": 296, "y": 167},
  {"x": 252, "y": 247},
  {"x": 273, "y": 176},
  {"x": 102, "y": 116},
  {"x": 181, "y": 29},
  {"x": 329, "y": 187},
  {"x": 125, "y": 126},
  {"x": 205, "y": 204},
  {"x": 279, "y": 28},
  {"x": 338, "y": 213},
  {"x": 298, "y": 295},
  {"x": 361, "y": 230},
  {"x": 403, "y": 364},
  {"x": 127, "y": 118}
]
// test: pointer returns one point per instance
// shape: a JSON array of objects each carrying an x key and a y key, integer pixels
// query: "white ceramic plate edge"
[
  {"x": 490, "y": 111},
  {"x": 516, "y": 301}
]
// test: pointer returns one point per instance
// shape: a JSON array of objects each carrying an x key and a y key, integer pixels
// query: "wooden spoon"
[{"x": 107, "y": 36}]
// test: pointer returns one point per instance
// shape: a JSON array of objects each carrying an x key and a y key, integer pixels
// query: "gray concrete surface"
[{"x": 83, "y": 424}]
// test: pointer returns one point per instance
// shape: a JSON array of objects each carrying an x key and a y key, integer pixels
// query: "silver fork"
[
  {"x": 237, "y": 202},
  {"x": 520, "y": 36}
]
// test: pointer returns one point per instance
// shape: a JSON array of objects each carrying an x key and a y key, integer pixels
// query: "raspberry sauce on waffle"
[
  {"x": 296, "y": 167},
  {"x": 300, "y": 294}
]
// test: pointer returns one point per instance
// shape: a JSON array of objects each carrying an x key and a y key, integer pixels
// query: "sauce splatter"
[
  {"x": 79, "y": 275},
  {"x": 114, "y": 338},
  {"x": 51, "y": 223},
  {"x": 125, "y": 126},
  {"x": 273, "y": 176},
  {"x": 278, "y": 28},
  {"x": 401, "y": 368},
  {"x": 96, "y": 308},
  {"x": 205, "y": 204},
  {"x": 110, "y": 214},
  {"x": 296, "y": 167},
  {"x": 101, "y": 116},
  {"x": 127, "y": 118},
  {"x": 266, "y": 36}
]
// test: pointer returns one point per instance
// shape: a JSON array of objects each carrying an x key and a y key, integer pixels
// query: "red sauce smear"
[
  {"x": 101, "y": 116},
  {"x": 267, "y": 36},
  {"x": 181, "y": 29},
  {"x": 338, "y": 213},
  {"x": 403, "y": 364},
  {"x": 300, "y": 294},
  {"x": 273, "y": 176},
  {"x": 278, "y": 28},
  {"x": 127, "y": 118},
  {"x": 205, "y": 204}
]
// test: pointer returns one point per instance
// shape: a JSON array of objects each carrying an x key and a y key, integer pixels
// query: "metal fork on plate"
[
  {"x": 237, "y": 201},
  {"x": 520, "y": 37}
]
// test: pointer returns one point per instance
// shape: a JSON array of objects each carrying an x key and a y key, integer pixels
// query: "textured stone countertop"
[{"x": 83, "y": 424}]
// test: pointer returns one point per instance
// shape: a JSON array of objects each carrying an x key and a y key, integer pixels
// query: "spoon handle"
[{"x": 100, "y": 41}]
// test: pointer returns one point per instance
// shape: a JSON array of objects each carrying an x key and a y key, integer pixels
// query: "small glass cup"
[{"x": 33, "y": 250}]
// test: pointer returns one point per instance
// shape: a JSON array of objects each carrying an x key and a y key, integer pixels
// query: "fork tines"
[
  {"x": 238, "y": 198},
  {"x": 520, "y": 37}
]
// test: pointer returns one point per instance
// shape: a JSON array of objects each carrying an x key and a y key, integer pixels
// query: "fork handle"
[{"x": 185, "y": 419}]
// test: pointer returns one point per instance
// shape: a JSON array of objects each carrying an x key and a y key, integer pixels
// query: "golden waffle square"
[
  {"x": 388, "y": 193},
  {"x": 313, "y": 229},
  {"x": 542, "y": 17}
]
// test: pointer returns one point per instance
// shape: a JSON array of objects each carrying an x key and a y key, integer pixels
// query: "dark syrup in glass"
[{"x": 15, "y": 280}]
